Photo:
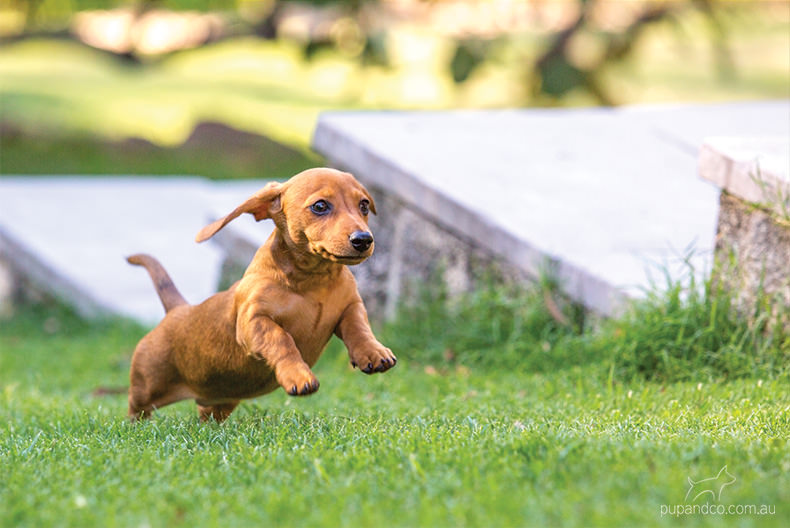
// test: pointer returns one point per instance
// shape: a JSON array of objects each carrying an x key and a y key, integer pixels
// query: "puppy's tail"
[{"x": 167, "y": 291}]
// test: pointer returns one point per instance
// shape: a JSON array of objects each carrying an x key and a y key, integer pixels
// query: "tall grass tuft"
[
  {"x": 688, "y": 331},
  {"x": 494, "y": 326},
  {"x": 681, "y": 330}
]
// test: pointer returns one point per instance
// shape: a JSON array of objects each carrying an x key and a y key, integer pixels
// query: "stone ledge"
[
  {"x": 22, "y": 268},
  {"x": 752, "y": 169},
  {"x": 420, "y": 215},
  {"x": 752, "y": 256},
  {"x": 753, "y": 234},
  {"x": 68, "y": 237},
  {"x": 601, "y": 196}
]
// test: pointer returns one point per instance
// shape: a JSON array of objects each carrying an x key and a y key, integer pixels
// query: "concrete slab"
[
  {"x": 753, "y": 238},
  {"x": 756, "y": 170},
  {"x": 607, "y": 194},
  {"x": 71, "y": 236}
]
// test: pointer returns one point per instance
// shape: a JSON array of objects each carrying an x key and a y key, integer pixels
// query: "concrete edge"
[
  {"x": 373, "y": 169},
  {"x": 46, "y": 279},
  {"x": 743, "y": 175}
]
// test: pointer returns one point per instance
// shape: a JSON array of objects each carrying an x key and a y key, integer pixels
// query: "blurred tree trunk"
[{"x": 554, "y": 74}]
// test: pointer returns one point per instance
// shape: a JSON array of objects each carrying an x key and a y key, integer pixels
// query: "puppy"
[{"x": 270, "y": 327}]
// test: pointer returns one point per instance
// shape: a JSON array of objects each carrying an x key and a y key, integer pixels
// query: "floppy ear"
[{"x": 261, "y": 205}]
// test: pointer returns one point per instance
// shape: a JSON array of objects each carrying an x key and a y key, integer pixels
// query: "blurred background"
[{"x": 233, "y": 88}]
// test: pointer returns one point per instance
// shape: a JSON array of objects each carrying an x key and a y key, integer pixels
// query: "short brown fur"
[{"x": 271, "y": 326}]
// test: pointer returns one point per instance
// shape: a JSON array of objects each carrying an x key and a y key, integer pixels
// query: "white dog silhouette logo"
[{"x": 713, "y": 485}]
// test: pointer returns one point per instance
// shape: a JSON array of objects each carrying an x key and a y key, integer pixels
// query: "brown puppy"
[{"x": 270, "y": 327}]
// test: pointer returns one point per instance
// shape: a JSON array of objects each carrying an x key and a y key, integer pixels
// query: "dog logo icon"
[{"x": 713, "y": 485}]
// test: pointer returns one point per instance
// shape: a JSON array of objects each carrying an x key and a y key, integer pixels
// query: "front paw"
[
  {"x": 297, "y": 379},
  {"x": 373, "y": 358}
]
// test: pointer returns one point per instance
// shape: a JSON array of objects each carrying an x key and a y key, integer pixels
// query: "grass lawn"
[{"x": 434, "y": 442}]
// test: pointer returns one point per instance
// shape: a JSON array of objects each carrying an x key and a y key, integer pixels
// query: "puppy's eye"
[
  {"x": 364, "y": 207},
  {"x": 321, "y": 207}
]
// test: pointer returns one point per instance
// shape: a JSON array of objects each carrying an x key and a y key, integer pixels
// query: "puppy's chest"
[
  {"x": 311, "y": 319},
  {"x": 308, "y": 316}
]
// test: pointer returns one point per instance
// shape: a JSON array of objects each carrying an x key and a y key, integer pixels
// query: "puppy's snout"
[{"x": 361, "y": 240}]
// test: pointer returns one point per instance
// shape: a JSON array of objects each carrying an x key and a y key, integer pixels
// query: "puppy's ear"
[{"x": 261, "y": 205}]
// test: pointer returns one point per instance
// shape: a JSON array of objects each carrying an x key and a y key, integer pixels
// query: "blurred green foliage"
[
  {"x": 253, "y": 78},
  {"x": 49, "y": 11},
  {"x": 217, "y": 153}
]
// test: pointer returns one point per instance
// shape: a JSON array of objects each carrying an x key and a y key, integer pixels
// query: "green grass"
[
  {"x": 484, "y": 436},
  {"x": 210, "y": 157},
  {"x": 680, "y": 331}
]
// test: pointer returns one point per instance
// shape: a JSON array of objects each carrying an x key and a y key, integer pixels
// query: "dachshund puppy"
[{"x": 271, "y": 326}]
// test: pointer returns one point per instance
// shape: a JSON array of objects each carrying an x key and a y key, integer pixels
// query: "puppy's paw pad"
[
  {"x": 307, "y": 388},
  {"x": 298, "y": 382},
  {"x": 374, "y": 359}
]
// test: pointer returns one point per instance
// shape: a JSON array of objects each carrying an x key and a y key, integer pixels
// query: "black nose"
[{"x": 361, "y": 240}]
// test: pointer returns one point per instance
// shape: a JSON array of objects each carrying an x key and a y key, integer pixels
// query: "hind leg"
[
  {"x": 219, "y": 411},
  {"x": 153, "y": 381},
  {"x": 143, "y": 406}
]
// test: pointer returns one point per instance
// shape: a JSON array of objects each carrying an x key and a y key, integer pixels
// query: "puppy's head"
[{"x": 321, "y": 212}]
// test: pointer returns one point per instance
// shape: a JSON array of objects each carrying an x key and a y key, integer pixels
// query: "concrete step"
[
  {"x": 70, "y": 236},
  {"x": 611, "y": 196}
]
